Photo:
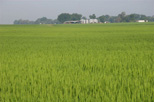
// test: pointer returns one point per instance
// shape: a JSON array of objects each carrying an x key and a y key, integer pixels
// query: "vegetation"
[
  {"x": 85, "y": 63},
  {"x": 42, "y": 20},
  {"x": 93, "y": 16},
  {"x": 122, "y": 17},
  {"x": 68, "y": 17}
]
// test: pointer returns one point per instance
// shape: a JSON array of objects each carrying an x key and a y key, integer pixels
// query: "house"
[{"x": 142, "y": 21}]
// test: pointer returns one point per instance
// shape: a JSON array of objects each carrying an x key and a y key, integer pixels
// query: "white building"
[
  {"x": 83, "y": 21},
  {"x": 87, "y": 21},
  {"x": 142, "y": 21},
  {"x": 93, "y": 21}
]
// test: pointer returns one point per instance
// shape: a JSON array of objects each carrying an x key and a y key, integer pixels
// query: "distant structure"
[
  {"x": 106, "y": 22},
  {"x": 88, "y": 21},
  {"x": 82, "y": 21},
  {"x": 140, "y": 21},
  {"x": 71, "y": 22}
]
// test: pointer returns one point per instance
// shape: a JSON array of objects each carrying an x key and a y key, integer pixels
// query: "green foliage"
[
  {"x": 64, "y": 17},
  {"x": 84, "y": 18},
  {"x": 68, "y": 17},
  {"x": 42, "y": 20},
  {"x": 104, "y": 18},
  {"x": 45, "y": 20},
  {"x": 122, "y": 17},
  {"x": 20, "y": 21},
  {"x": 76, "y": 16},
  {"x": 93, "y": 16},
  {"x": 71, "y": 63}
]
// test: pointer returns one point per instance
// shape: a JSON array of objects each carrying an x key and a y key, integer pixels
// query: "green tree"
[
  {"x": 143, "y": 17},
  {"x": 93, "y": 16},
  {"x": 132, "y": 18},
  {"x": 121, "y": 17},
  {"x": 42, "y": 20},
  {"x": 104, "y": 18},
  {"x": 20, "y": 21},
  {"x": 76, "y": 16},
  {"x": 64, "y": 17},
  {"x": 84, "y": 17},
  {"x": 112, "y": 19}
]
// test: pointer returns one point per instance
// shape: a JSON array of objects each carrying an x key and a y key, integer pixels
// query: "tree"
[
  {"x": 55, "y": 22},
  {"x": 76, "y": 16},
  {"x": 132, "y": 18},
  {"x": 121, "y": 17},
  {"x": 104, "y": 18},
  {"x": 137, "y": 16},
  {"x": 64, "y": 17},
  {"x": 20, "y": 21},
  {"x": 42, "y": 20},
  {"x": 143, "y": 17},
  {"x": 84, "y": 18},
  {"x": 93, "y": 16}
]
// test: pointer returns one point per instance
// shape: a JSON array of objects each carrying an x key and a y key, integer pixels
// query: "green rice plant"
[{"x": 77, "y": 63}]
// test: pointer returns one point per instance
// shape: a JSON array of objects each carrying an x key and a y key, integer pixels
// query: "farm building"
[
  {"x": 82, "y": 21},
  {"x": 87, "y": 21},
  {"x": 71, "y": 22},
  {"x": 106, "y": 22},
  {"x": 142, "y": 21},
  {"x": 93, "y": 21}
]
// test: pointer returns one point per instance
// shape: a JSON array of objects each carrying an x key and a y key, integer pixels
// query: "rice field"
[{"x": 77, "y": 63}]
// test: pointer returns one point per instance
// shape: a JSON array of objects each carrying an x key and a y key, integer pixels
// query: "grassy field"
[{"x": 71, "y": 63}]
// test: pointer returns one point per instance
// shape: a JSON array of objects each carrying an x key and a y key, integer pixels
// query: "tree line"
[
  {"x": 42, "y": 20},
  {"x": 122, "y": 17}
]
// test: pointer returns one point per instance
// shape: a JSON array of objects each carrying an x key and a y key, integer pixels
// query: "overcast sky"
[{"x": 11, "y": 10}]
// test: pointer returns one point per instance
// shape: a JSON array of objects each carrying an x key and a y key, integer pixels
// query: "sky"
[{"x": 11, "y": 10}]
